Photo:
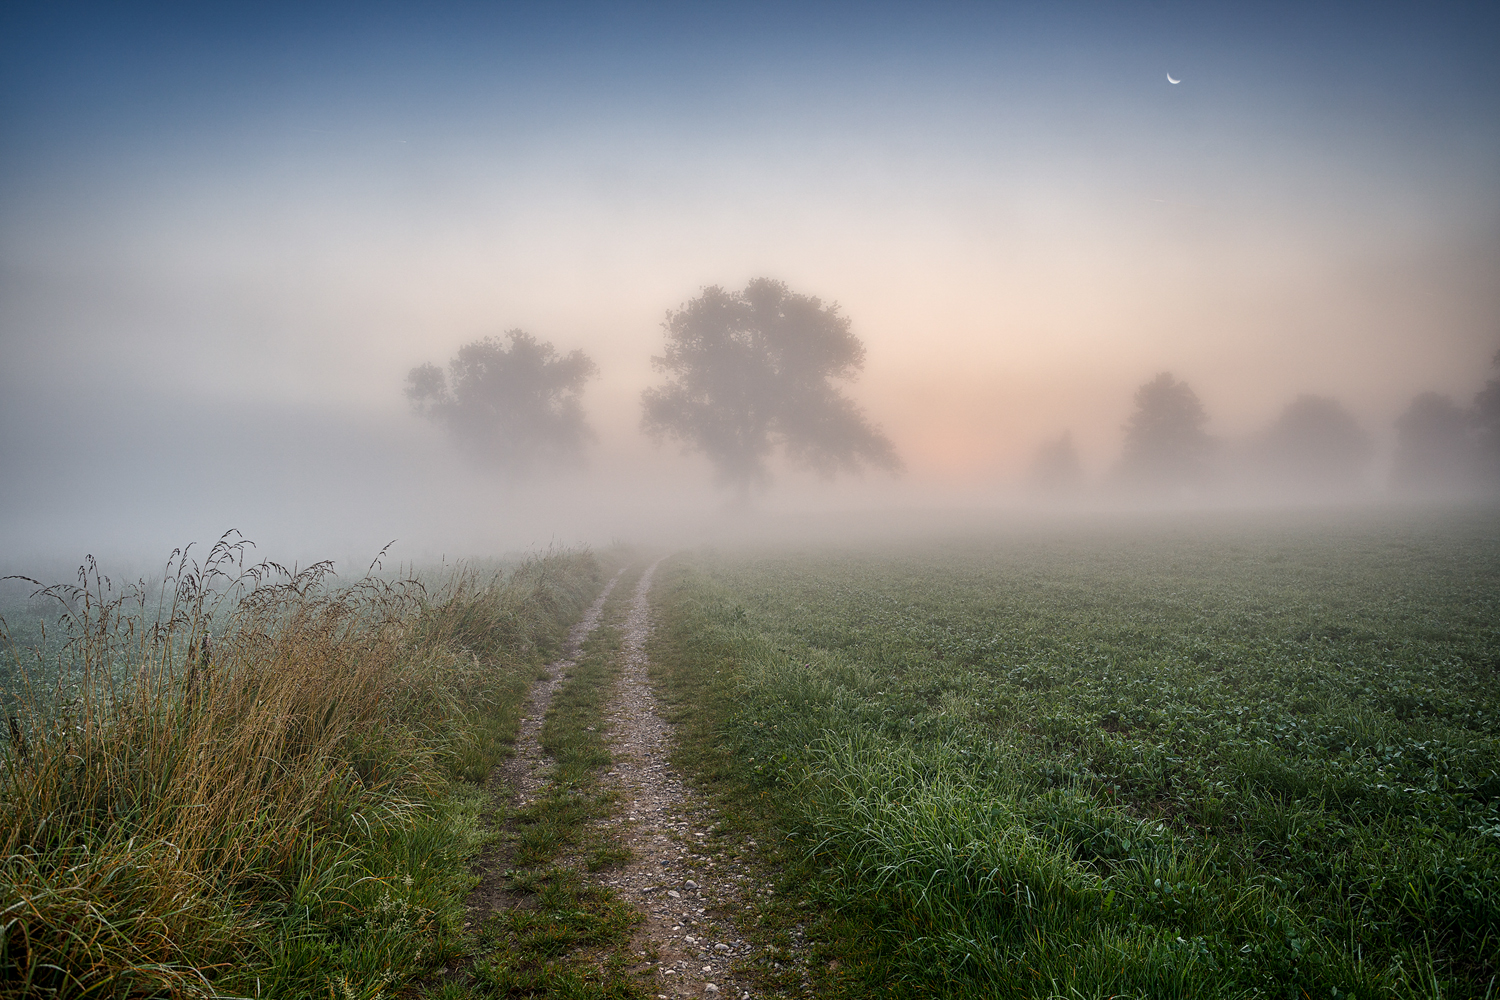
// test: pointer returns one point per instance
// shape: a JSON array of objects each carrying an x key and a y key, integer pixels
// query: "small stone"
[
  {"x": 674, "y": 894},
  {"x": 721, "y": 947},
  {"x": 710, "y": 988}
]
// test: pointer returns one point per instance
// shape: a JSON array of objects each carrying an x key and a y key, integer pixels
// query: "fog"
[{"x": 224, "y": 246}]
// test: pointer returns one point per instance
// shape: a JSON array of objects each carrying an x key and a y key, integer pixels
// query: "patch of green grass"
[
  {"x": 1206, "y": 756},
  {"x": 573, "y": 737},
  {"x": 607, "y": 857}
]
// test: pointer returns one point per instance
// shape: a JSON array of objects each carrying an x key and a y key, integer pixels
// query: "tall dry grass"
[{"x": 200, "y": 748}]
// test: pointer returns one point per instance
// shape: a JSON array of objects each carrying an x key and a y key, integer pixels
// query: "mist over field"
[{"x": 228, "y": 245}]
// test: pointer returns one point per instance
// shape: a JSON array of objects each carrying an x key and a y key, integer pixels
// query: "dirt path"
[{"x": 686, "y": 897}]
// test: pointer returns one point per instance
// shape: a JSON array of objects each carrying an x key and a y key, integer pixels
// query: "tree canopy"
[
  {"x": 753, "y": 371},
  {"x": 1316, "y": 445},
  {"x": 1165, "y": 443},
  {"x": 512, "y": 406}
]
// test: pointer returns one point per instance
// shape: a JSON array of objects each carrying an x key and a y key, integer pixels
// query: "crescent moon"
[{"x": 1170, "y": 80}]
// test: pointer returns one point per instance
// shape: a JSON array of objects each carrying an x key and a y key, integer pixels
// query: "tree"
[
  {"x": 511, "y": 407},
  {"x": 1434, "y": 452},
  {"x": 1055, "y": 469},
  {"x": 753, "y": 371},
  {"x": 1315, "y": 445},
  {"x": 1487, "y": 419},
  {"x": 1165, "y": 444}
]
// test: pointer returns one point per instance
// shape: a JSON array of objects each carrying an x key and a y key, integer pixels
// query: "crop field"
[{"x": 1197, "y": 755}]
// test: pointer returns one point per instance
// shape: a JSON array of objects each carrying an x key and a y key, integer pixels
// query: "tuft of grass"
[{"x": 250, "y": 780}]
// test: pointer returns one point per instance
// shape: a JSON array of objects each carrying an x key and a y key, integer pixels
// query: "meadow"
[
  {"x": 1187, "y": 755},
  {"x": 252, "y": 781}
]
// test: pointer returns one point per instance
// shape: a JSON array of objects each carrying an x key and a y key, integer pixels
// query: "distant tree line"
[
  {"x": 756, "y": 373},
  {"x": 1315, "y": 448}
]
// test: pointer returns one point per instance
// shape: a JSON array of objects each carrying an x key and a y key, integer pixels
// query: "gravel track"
[{"x": 686, "y": 898}]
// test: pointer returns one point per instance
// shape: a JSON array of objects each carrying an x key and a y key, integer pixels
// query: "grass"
[
  {"x": 257, "y": 783},
  {"x": 1222, "y": 756}
]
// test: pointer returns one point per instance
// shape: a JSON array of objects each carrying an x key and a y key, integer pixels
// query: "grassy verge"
[
  {"x": 1212, "y": 759},
  {"x": 562, "y": 936},
  {"x": 269, "y": 798}
]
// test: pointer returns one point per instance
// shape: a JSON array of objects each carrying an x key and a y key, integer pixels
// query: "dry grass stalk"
[{"x": 192, "y": 752}]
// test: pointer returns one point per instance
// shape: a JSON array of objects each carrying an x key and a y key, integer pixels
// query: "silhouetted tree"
[
  {"x": 1434, "y": 450},
  {"x": 751, "y": 371},
  {"x": 1165, "y": 443},
  {"x": 1487, "y": 421},
  {"x": 1315, "y": 445},
  {"x": 509, "y": 406},
  {"x": 1055, "y": 469}
]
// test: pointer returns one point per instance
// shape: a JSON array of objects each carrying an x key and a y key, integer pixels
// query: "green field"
[{"x": 1169, "y": 755}]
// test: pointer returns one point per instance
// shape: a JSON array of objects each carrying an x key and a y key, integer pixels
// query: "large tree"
[
  {"x": 1166, "y": 446},
  {"x": 753, "y": 371},
  {"x": 1315, "y": 446},
  {"x": 510, "y": 406},
  {"x": 1435, "y": 452}
]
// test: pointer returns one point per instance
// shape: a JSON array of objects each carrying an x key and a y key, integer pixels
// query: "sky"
[{"x": 227, "y": 232}]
